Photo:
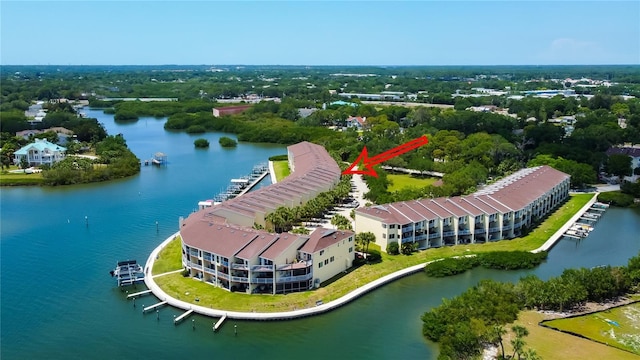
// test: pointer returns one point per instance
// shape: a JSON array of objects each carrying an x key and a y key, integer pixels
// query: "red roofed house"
[
  {"x": 229, "y": 110},
  {"x": 356, "y": 121}
]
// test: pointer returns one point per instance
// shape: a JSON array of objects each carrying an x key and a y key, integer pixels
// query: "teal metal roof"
[{"x": 40, "y": 145}]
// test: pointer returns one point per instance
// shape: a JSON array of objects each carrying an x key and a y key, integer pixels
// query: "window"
[
  {"x": 350, "y": 238},
  {"x": 392, "y": 226},
  {"x": 321, "y": 252},
  {"x": 331, "y": 259},
  {"x": 351, "y": 249},
  {"x": 319, "y": 264},
  {"x": 392, "y": 236},
  {"x": 326, "y": 261},
  {"x": 384, "y": 236},
  {"x": 384, "y": 226}
]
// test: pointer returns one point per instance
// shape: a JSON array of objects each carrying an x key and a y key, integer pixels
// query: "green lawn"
[
  {"x": 19, "y": 178},
  {"x": 550, "y": 344},
  {"x": 169, "y": 258},
  {"x": 401, "y": 181},
  {"x": 176, "y": 284},
  {"x": 281, "y": 168},
  {"x": 600, "y": 326}
]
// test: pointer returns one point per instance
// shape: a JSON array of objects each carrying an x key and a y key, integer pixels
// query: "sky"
[{"x": 319, "y": 32}]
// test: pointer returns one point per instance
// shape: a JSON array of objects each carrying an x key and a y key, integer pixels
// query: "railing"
[
  {"x": 239, "y": 266},
  {"x": 294, "y": 278},
  {"x": 262, "y": 268},
  {"x": 209, "y": 270},
  {"x": 464, "y": 232},
  {"x": 494, "y": 229},
  {"x": 224, "y": 263},
  {"x": 223, "y": 275},
  {"x": 434, "y": 235},
  {"x": 194, "y": 265},
  {"x": 480, "y": 231},
  {"x": 208, "y": 257},
  {"x": 507, "y": 227},
  {"x": 239, "y": 279},
  {"x": 193, "y": 252},
  {"x": 261, "y": 280},
  {"x": 284, "y": 266},
  {"x": 448, "y": 233},
  {"x": 421, "y": 237}
]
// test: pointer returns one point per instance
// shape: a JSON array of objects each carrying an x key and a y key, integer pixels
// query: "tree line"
[{"x": 463, "y": 325}]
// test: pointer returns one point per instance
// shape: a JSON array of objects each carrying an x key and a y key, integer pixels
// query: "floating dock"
[
  {"x": 238, "y": 186},
  {"x": 152, "y": 307},
  {"x": 219, "y": 323},
  {"x": 182, "y": 317},
  {"x": 584, "y": 224}
]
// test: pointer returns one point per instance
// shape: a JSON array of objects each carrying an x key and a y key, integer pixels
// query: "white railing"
[{"x": 294, "y": 278}]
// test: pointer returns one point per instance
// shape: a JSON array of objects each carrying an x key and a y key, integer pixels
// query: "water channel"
[{"x": 57, "y": 246}]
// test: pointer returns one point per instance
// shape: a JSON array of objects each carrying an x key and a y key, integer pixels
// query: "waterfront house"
[
  {"x": 40, "y": 152},
  {"x": 502, "y": 210},
  {"x": 244, "y": 259}
]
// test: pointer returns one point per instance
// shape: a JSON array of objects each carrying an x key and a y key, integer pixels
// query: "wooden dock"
[
  {"x": 152, "y": 307},
  {"x": 219, "y": 323},
  {"x": 138, "y": 294},
  {"x": 182, "y": 317}
]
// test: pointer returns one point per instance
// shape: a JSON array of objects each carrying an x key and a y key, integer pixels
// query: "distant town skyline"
[{"x": 319, "y": 33}]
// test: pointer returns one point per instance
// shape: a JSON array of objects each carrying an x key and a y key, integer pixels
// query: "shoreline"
[{"x": 334, "y": 304}]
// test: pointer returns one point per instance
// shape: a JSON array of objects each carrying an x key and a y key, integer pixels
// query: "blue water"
[{"x": 59, "y": 302}]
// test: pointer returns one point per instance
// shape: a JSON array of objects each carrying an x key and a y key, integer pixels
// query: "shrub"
[
  {"x": 393, "y": 248},
  {"x": 227, "y": 142},
  {"x": 512, "y": 260},
  {"x": 374, "y": 256},
  {"x": 201, "y": 143}
]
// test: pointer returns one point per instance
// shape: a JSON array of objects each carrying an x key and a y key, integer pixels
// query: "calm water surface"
[{"x": 59, "y": 302}]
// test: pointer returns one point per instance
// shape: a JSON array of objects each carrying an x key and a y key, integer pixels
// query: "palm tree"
[
  {"x": 365, "y": 238},
  {"x": 518, "y": 342},
  {"x": 499, "y": 331}
]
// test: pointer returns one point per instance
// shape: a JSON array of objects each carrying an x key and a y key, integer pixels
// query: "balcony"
[
  {"x": 448, "y": 233},
  {"x": 262, "y": 268},
  {"x": 223, "y": 276},
  {"x": 434, "y": 235},
  {"x": 193, "y": 252},
  {"x": 479, "y": 231},
  {"x": 421, "y": 237},
  {"x": 238, "y": 266},
  {"x": 464, "y": 232},
  {"x": 494, "y": 229},
  {"x": 507, "y": 227},
  {"x": 261, "y": 280},
  {"x": 240, "y": 279},
  {"x": 294, "y": 278}
]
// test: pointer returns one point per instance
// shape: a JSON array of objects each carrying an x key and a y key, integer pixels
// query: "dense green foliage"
[
  {"x": 501, "y": 260},
  {"x": 115, "y": 161},
  {"x": 227, "y": 142},
  {"x": 201, "y": 143},
  {"x": 393, "y": 248},
  {"x": 451, "y": 266},
  {"x": 464, "y": 324},
  {"x": 279, "y": 157},
  {"x": 616, "y": 198}
]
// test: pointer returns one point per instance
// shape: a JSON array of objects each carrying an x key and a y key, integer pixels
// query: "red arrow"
[{"x": 369, "y": 162}]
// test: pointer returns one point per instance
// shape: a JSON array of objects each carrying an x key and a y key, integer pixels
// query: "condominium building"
[
  {"x": 221, "y": 247},
  {"x": 502, "y": 210}
]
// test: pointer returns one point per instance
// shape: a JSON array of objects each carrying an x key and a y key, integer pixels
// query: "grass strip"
[{"x": 281, "y": 168}]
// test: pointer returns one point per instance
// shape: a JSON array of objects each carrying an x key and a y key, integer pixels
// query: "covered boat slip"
[{"x": 128, "y": 272}]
